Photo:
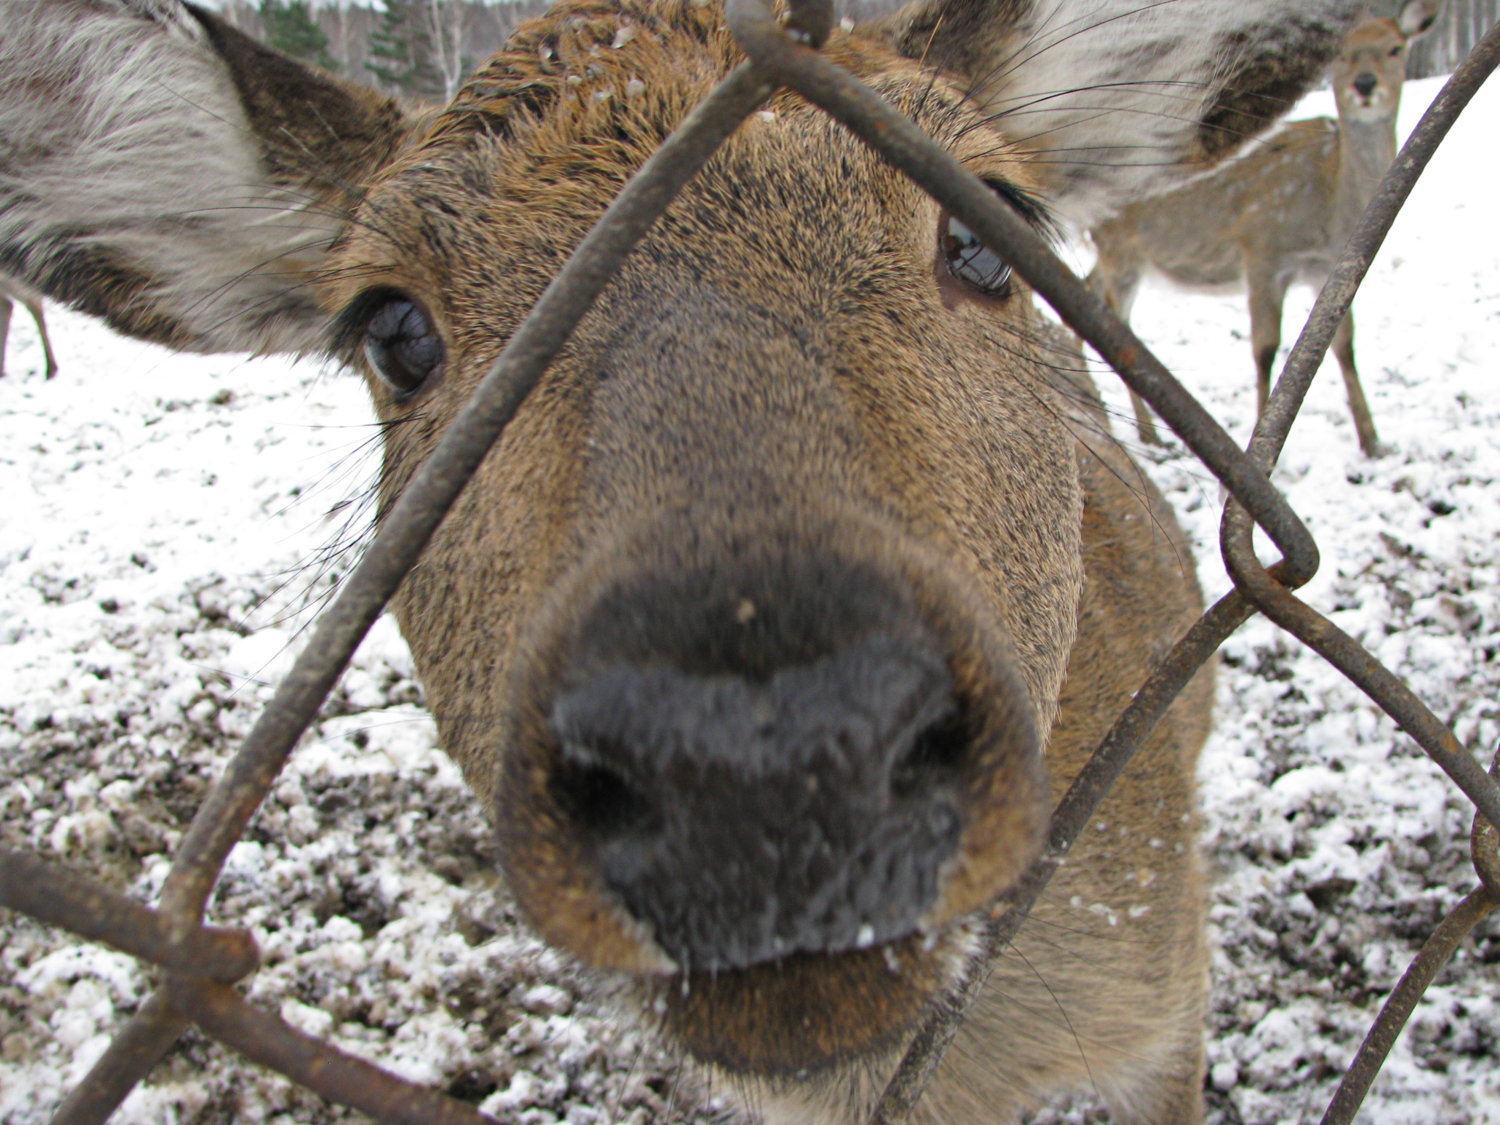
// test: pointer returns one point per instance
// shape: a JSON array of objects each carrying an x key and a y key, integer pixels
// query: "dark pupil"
[
  {"x": 401, "y": 345},
  {"x": 972, "y": 261}
]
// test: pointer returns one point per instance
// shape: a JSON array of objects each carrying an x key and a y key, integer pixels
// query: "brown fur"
[{"x": 785, "y": 429}]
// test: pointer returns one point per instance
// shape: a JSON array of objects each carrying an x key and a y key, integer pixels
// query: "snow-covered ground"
[{"x": 169, "y": 523}]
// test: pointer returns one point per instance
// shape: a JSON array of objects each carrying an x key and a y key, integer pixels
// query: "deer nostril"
[
  {"x": 935, "y": 756},
  {"x": 598, "y": 798},
  {"x": 1365, "y": 83}
]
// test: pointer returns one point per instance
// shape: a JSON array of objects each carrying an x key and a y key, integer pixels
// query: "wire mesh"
[{"x": 202, "y": 961}]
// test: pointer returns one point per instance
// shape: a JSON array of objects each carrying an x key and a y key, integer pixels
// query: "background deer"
[
  {"x": 10, "y": 292},
  {"x": 1281, "y": 213},
  {"x": 761, "y": 631}
]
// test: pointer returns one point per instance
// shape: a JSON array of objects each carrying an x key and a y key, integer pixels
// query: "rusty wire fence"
[{"x": 202, "y": 962}]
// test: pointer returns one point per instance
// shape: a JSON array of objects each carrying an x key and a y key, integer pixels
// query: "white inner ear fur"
[
  {"x": 123, "y": 132},
  {"x": 1109, "y": 93}
]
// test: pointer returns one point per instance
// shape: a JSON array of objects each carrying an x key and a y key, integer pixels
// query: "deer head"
[{"x": 1368, "y": 73}]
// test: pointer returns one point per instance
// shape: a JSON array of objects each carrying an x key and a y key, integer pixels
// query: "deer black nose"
[
  {"x": 746, "y": 818},
  {"x": 1365, "y": 83}
]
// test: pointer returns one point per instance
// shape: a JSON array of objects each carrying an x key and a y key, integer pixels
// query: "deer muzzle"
[{"x": 743, "y": 820}]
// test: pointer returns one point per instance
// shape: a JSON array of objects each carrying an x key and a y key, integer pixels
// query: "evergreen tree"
[
  {"x": 401, "y": 50},
  {"x": 291, "y": 29}
]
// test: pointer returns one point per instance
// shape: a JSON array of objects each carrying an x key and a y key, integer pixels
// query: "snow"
[{"x": 171, "y": 523}]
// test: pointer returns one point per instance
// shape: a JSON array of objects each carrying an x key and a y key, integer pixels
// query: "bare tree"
[
  {"x": 337, "y": 25},
  {"x": 447, "y": 21}
]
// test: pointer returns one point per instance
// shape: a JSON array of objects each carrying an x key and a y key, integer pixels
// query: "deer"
[
  {"x": 807, "y": 578},
  {"x": 12, "y": 291},
  {"x": 1280, "y": 213}
]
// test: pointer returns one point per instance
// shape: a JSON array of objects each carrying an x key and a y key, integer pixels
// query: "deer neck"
[{"x": 1366, "y": 150}]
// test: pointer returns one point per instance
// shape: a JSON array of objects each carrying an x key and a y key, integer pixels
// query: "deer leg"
[
  {"x": 1115, "y": 279},
  {"x": 1145, "y": 424},
  {"x": 5, "y": 308},
  {"x": 1121, "y": 298},
  {"x": 35, "y": 309},
  {"x": 1364, "y": 425},
  {"x": 1266, "y": 297}
]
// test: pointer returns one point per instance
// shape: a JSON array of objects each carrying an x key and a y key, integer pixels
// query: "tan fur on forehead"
[
  {"x": 586, "y": 47},
  {"x": 1372, "y": 34},
  {"x": 571, "y": 51},
  {"x": 632, "y": 70}
]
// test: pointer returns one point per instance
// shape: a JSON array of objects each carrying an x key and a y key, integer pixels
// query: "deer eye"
[
  {"x": 1395, "y": 51},
  {"x": 402, "y": 345},
  {"x": 973, "y": 262}
]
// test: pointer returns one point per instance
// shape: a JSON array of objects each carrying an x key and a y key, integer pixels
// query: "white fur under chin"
[
  {"x": 1110, "y": 93},
  {"x": 123, "y": 132}
]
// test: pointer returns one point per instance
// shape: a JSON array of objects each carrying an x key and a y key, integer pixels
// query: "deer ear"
[
  {"x": 1418, "y": 16},
  {"x": 165, "y": 172},
  {"x": 1119, "y": 99}
]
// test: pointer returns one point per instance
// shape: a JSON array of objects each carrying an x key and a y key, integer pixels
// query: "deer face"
[
  {"x": 751, "y": 630},
  {"x": 1368, "y": 74},
  {"x": 750, "y": 625}
]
